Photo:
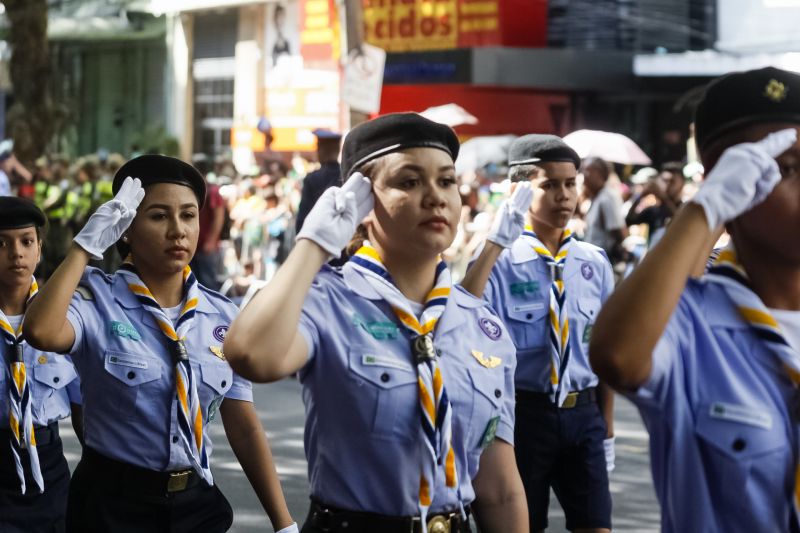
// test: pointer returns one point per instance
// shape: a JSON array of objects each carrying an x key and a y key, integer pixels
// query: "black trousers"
[
  {"x": 103, "y": 498},
  {"x": 34, "y": 512}
]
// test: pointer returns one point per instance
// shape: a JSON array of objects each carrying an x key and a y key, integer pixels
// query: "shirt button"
[
  {"x": 498, "y": 393},
  {"x": 739, "y": 445},
  {"x": 131, "y": 375},
  {"x": 56, "y": 379},
  {"x": 174, "y": 439},
  {"x": 385, "y": 377},
  {"x": 529, "y": 316},
  {"x": 223, "y": 383}
]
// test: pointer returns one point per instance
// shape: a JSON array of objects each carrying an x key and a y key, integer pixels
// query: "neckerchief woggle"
[
  {"x": 435, "y": 409},
  {"x": 20, "y": 416},
  {"x": 190, "y": 412},
  {"x": 558, "y": 319},
  {"x": 727, "y": 272}
]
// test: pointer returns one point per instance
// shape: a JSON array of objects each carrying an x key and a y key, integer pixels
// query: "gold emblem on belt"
[{"x": 439, "y": 524}]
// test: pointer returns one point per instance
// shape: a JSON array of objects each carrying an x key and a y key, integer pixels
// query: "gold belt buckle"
[
  {"x": 439, "y": 524},
  {"x": 178, "y": 481},
  {"x": 570, "y": 400}
]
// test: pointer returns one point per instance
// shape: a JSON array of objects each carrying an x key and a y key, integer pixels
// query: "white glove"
[
  {"x": 509, "y": 221},
  {"x": 608, "y": 447},
  {"x": 333, "y": 219},
  {"x": 290, "y": 529},
  {"x": 743, "y": 177},
  {"x": 111, "y": 219}
]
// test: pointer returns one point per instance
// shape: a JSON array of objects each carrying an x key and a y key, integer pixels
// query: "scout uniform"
[
  {"x": 560, "y": 429},
  {"x": 374, "y": 463},
  {"x": 141, "y": 446},
  {"x": 720, "y": 403},
  {"x": 36, "y": 391}
]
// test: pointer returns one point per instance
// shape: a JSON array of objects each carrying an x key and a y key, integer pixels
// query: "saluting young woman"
[
  {"x": 147, "y": 343},
  {"x": 407, "y": 380}
]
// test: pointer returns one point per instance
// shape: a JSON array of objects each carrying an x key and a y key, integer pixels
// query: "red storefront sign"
[{"x": 417, "y": 25}]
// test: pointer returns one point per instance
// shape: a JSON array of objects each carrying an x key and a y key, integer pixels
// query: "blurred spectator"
[
  {"x": 207, "y": 260},
  {"x": 658, "y": 201},
  {"x": 605, "y": 226},
  {"x": 328, "y": 174}
]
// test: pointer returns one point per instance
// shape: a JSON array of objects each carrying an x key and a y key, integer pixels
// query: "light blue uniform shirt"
[
  {"x": 129, "y": 400},
  {"x": 723, "y": 445},
  {"x": 362, "y": 435},
  {"x": 519, "y": 289},
  {"x": 52, "y": 380}
]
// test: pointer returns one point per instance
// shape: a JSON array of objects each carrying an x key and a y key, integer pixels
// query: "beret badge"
[{"x": 775, "y": 91}]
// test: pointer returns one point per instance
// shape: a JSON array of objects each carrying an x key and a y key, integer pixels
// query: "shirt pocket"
[
  {"x": 488, "y": 395},
  {"x": 53, "y": 376},
  {"x": 130, "y": 381},
  {"x": 392, "y": 397},
  {"x": 527, "y": 323},
  {"x": 217, "y": 378},
  {"x": 738, "y": 443}
]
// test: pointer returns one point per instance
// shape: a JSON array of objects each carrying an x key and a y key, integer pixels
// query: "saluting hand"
[
  {"x": 509, "y": 221},
  {"x": 743, "y": 177},
  {"x": 111, "y": 219},
  {"x": 333, "y": 219}
]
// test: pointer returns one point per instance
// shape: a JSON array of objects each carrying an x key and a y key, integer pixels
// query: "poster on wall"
[
  {"x": 282, "y": 35},
  {"x": 302, "y": 74}
]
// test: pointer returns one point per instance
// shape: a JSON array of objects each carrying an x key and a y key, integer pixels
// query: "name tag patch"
[
  {"x": 528, "y": 307},
  {"x": 383, "y": 361},
  {"x": 740, "y": 413},
  {"x": 125, "y": 360},
  {"x": 121, "y": 329}
]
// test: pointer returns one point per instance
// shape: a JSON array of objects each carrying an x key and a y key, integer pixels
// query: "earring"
[{"x": 124, "y": 238}]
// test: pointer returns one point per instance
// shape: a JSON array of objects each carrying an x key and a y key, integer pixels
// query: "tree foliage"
[{"x": 31, "y": 116}]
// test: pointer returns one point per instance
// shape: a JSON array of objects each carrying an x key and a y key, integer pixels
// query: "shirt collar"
[{"x": 128, "y": 300}]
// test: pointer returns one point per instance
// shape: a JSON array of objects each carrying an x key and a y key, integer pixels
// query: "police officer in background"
[
  {"x": 713, "y": 364},
  {"x": 37, "y": 388},
  {"x": 548, "y": 288},
  {"x": 327, "y": 175},
  {"x": 147, "y": 342}
]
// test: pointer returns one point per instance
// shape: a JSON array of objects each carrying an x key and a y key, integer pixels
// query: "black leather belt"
[
  {"x": 137, "y": 479},
  {"x": 573, "y": 399},
  {"x": 44, "y": 435},
  {"x": 333, "y": 520}
]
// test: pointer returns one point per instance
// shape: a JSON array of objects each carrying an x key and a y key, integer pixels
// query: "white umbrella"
[
  {"x": 480, "y": 151},
  {"x": 607, "y": 145},
  {"x": 450, "y": 114}
]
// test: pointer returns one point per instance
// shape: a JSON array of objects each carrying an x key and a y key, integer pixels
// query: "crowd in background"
[{"x": 249, "y": 222}]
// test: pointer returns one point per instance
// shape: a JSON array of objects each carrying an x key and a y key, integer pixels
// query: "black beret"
[
  {"x": 734, "y": 100},
  {"x": 152, "y": 169},
  {"x": 392, "y": 133},
  {"x": 539, "y": 148},
  {"x": 18, "y": 213}
]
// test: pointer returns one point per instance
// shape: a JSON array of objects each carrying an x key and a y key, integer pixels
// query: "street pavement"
[{"x": 281, "y": 411}]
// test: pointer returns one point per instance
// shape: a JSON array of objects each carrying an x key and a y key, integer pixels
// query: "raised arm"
[
  {"x": 46, "y": 326},
  {"x": 264, "y": 343},
  {"x": 634, "y": 317},
  {"x": 508, "y": 225}
]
